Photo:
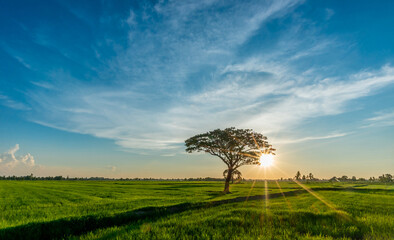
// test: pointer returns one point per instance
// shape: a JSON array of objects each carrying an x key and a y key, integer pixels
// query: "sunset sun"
[{"x": 266, "y": 160}]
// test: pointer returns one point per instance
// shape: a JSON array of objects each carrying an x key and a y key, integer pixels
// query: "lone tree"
[{"x": 235, "y": 147}]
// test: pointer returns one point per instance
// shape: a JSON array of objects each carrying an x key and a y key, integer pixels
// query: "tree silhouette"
[
  {"x": 344, "y": 178},
  {"x": 386, "y": 178},
  {"x": 310, "y": 176},
  {"x": 235, "y": 147},
  {"x": 298, "y": 175}
]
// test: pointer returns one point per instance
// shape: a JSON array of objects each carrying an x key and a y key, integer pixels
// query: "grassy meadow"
[{"x": 194, "y": 210}]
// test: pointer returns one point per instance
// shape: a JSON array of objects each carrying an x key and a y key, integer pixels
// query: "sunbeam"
[
  {"x": 284, "y": 197},
  {"x": 250, "y": 191},
  {"x": 266, "y": 195},
  {"x": 326, "y": 202}
]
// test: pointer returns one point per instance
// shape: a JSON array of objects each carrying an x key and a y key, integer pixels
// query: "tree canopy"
[{"x": 235, "y": 147}]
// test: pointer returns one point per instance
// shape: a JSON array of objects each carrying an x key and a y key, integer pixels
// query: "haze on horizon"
[{"x": 114, "y": 89}]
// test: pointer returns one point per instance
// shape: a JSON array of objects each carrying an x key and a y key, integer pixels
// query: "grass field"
[{"x": 194, "y": 210}]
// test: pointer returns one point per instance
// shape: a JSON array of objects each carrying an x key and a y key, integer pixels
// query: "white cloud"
[
  {"x": 154, "y": 66},
  {"x": 11, "y": 163},
  {"x": 112, "y": 168},
  {"x": 280, "y": 104},
  {"x": 321, "y": 99},
  {"x": 267, "y": 106},
  {"x": 155, "y": 103}
]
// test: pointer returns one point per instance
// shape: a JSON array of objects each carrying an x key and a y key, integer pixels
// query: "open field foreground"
[{"x": 194, "y": 210}]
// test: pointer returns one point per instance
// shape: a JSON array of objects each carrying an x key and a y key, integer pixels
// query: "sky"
[{"x": 114, "y": 88}]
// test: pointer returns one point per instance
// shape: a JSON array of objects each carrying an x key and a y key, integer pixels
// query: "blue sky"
[{"x": 113, "y": 89}]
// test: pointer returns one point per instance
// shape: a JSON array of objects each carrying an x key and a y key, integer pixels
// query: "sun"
[{"x": 266, "y": 160}]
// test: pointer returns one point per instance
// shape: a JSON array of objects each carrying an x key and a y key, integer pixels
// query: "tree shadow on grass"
[
  {"x": 297, "y": 224},
  {"x": 75, "y": 226},
  {"x": 62, "y": 228},
  {"x": 215, "y": 194},
  {"x": 358, "y": 190},
  {"x": 65, "y": 227}
]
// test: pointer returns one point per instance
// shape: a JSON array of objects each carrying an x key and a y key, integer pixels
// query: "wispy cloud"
[
  {"x": 184, "y": 70},
  {"x": 152, "y": 74},
  {"x": 8, "y": 102},
  {"x": 381, "y": 119},
  {"x": 329, "y": 13},
  {"x": 23, "y": 62},
  {"x": 311, "y": 138},
  {"x": 327, "y": 97}
]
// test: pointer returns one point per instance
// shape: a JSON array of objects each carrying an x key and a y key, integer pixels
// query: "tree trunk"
[{"x": 227, "y": 183}]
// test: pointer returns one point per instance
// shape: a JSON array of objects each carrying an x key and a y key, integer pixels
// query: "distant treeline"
[
  {"x": 32, "y": 177},
  {"x": 308, "y": 178}
]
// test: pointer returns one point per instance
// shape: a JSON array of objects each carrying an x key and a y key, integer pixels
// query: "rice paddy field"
[{"x": 195, "y": 210}]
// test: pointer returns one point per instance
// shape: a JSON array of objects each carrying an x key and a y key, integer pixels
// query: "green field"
[{"x": 194, "y": 210}]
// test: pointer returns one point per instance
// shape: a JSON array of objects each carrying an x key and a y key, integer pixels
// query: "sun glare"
[{"x": 266, "y": 160}]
